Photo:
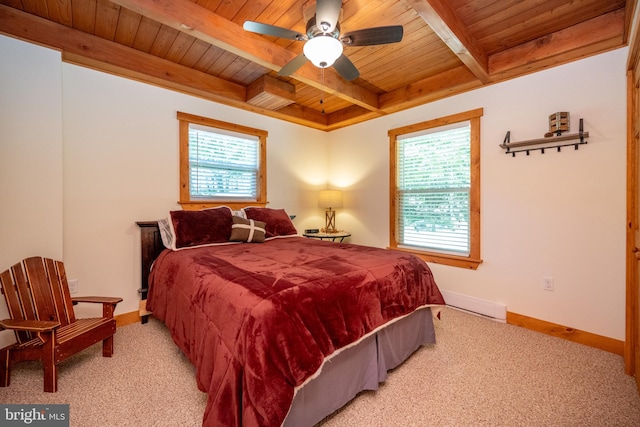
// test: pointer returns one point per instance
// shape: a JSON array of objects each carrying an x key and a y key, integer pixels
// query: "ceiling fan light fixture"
[{"x": 322, "y": 50}]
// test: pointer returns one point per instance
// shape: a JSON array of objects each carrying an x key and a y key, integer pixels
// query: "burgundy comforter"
[{"x": 257, "y": 320}]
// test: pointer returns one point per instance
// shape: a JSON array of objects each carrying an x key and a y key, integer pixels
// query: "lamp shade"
[
  {"x": 330, "y": 199},
  {"x": 323, "y": 51}
]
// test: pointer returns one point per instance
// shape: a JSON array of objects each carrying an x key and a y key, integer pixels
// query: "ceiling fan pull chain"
[{"x": 322, "y": 95}]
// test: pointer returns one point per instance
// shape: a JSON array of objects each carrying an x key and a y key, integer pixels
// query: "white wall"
[
  {"x": 557, "y": 214},
  {"x": 30, "y": 152},
  {"x": 554, "y": 214}
]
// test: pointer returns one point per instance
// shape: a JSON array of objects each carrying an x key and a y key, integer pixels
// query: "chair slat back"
[
  {"x": 41, "y": 289},
  {"x": 24, "y": 292},
  {"x": 60, "y": 289},
  {"x": 14, "y": 284}
]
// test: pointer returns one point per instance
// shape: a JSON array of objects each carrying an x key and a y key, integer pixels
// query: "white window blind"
[
  {"x": 222, "y": 164},
  {"x": 434, "y": 181}
]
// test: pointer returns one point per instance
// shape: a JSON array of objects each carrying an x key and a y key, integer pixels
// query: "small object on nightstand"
[
  {"x": 330, "y": 199},
  {"x": 311, "y": 230},
  {"x": 333, "y": 236}
]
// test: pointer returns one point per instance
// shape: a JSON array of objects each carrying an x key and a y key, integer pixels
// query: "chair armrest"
[
  {"x": 108, "y": 303},
  {"x": 98, "y": 300},
  {"x": 29, "y": 325}
]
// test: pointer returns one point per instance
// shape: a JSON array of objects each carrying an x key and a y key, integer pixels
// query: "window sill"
[
  {"x": 193, "y": 206},
  {"x": 437, "y": 258}
]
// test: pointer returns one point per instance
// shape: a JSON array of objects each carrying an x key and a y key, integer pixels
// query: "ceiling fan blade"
[
  {"x": 272, "y": 30},
  {"x": 345, "y": 67},
  {"x": 373, "y": 36},
  {"x": 293, "y": 65},
  {"x": 327, "y": 14}
]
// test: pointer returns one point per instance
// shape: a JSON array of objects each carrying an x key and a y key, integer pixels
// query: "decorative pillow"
[
  {"x": 247, "y": 230},
  {"x": 204, "y": 227},
  {"x": 277, "y": 220},
  {"x": 166, "y": 233}
]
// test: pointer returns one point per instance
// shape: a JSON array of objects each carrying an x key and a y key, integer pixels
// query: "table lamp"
[{"x": 330, "y": 199}]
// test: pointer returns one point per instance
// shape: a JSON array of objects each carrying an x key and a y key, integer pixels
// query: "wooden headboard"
[{"x": 150, "y": 246}]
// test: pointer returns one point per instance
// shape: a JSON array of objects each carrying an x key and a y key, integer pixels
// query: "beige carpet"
[{"x": 480, "y": 373}]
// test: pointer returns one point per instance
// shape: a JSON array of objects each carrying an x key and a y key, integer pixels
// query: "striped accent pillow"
[{"x": 166, "y": 232}]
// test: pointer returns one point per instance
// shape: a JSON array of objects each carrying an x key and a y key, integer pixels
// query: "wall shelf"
[{"x": 549, "y": 143}]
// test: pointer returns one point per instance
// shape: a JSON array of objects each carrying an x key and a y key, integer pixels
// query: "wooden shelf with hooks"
[{"x": 550, "y": 142}]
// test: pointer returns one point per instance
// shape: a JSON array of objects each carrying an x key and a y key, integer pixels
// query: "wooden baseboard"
[
  {"x": 127, "y": 318},
  {"x": 581, "y": 337}
]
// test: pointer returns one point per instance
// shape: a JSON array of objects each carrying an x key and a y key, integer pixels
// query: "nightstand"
[{"x": 333, "y": 236}]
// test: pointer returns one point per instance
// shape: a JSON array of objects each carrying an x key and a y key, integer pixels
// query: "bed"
[{"x": 282, "y": 330}]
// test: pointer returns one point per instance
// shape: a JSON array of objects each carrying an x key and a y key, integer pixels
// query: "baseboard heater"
[{"x": 474, "y": 305}]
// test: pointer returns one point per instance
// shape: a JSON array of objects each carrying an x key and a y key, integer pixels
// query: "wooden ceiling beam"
[
  {"x": 349, "y": 116},
  {"x": 304, "y": 114},
  {"x": 270, "y": 93},
  {"x": 201, "y": 23},
  {"x": 86, "y": 49},
  {"x": 563, "y": 46},
  {"x": 445, "y": 84},
  {"x": 442, "y": 19}
]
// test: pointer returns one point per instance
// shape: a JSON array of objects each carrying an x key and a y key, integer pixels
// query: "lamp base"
[{"x": 330, "y": 221}]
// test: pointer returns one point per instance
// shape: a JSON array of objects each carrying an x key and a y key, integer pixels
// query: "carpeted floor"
[{"x": 480, "y": 373}]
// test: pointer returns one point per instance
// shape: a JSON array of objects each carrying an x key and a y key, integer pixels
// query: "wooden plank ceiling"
[{"x": 199, "y": 47}]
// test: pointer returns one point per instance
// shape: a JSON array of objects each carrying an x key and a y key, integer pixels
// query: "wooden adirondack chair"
[{"x": 41, "y": 310}]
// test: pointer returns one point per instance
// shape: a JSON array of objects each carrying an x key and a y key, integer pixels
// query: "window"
[
  {"x": 435, "y": 191},
  {"x": 221, "y": 163}
]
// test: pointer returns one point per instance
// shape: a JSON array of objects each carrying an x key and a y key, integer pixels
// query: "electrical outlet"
[
  {"x": 547, "y": 284},
  {"x": 73, "y": 286}
]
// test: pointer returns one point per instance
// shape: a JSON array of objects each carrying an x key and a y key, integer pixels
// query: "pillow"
[
  {"x": 239, "y": 213},
  {"x": 166, "y": 233},
  {"x": 247, "y": 230},
  {"x": 204, "y": 227},
  {"x": 277, "y": 220}
]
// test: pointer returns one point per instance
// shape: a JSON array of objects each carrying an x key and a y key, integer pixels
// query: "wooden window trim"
[
  {"x": 185, "y": 194},
  {"x": 473, "y": 260}
]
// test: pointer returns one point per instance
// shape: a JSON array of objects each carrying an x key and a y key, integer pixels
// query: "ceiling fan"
[{"x": 323, "y": 41}]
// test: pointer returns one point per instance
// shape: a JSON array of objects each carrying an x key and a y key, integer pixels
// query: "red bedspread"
[{"x": 257, "y": 320}]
